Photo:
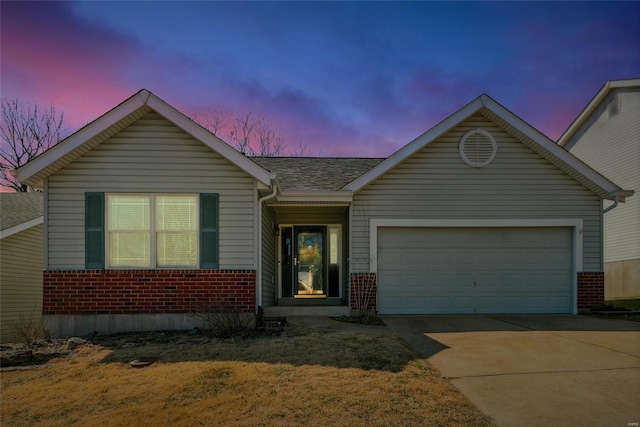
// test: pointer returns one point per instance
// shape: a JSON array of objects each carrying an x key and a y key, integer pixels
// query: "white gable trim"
[
  {"x": 74, "y": 141},
  {"x": 556, "y": 150},
  {"x": 209, "y": 139},
  {"x": 140, "y": 99},
  {"x": 21, "y": 227},
  {"x": 593, "y": 104},
  {"x": 415, "y": 146},
  {"x": 465, "y": 112}
]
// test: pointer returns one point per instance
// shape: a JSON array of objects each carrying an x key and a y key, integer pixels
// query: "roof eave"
[
  {"x": 416, "y": 145},
  {"x": 32, "y": 169},
  {"x": 592, "y": 105},
  {"x": 608, "y": 188},
  {"x": 208, "y": 138},
  {"x": 623, "y": 194},
  {"x": 316, "y": 196},
  {"x": 21, "y": 227},
  {"x": 31, "y": 173}
]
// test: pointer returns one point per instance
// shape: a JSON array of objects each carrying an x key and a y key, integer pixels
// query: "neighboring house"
[
  {"x": 21, "y": 253},
  {"x": 606, "y": 136},
  {"x": 148, "y": 215}
]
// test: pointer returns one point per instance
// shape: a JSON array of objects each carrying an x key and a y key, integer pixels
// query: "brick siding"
[
  {"x": 363, "y": 291},
  {"x": 590, "y": 289},
  {"x": 146, "y": 291}
]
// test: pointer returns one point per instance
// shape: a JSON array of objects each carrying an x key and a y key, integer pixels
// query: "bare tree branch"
[
  {"x": 301, "y": 150},
  {"x": 249, "y": 136},
  {"x": 25, "y": 132},
  {"x": 214, "y": 121},
  {"x": 241, "y": 134},
  {"x": 270, "y": 144}
]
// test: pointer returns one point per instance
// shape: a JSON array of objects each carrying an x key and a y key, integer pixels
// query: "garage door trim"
[{"x": 575, "y": 223}]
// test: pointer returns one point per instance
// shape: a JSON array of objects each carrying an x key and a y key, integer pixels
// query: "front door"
[{"x": 304, "y": 266}]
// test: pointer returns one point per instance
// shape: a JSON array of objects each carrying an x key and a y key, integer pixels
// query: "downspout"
[
  {"x": 616, "y": 199},
  {"x": 259, "y": 227}
]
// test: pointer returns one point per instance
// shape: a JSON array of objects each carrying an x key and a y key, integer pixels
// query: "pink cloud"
[{"x": 53, "y": 57}]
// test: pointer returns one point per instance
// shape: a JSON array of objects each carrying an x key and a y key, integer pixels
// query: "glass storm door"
[{"x": 304, "y": 269}]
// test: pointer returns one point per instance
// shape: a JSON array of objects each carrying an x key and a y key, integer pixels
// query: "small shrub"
[
  {"x": 224, "y": 319},
  {"x": 29, "y": 330}
]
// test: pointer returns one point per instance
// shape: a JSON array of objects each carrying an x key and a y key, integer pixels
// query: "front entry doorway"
[{"x": 309, "y": 267}]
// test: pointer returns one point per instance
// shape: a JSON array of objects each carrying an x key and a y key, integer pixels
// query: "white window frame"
[{"x": 153, "y": 247}]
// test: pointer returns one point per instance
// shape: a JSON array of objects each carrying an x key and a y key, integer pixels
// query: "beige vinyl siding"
[
  {"x": 269, "y": 248},
  {"x": 436, "y": 184},
  {"x": 20, "y": 279},
  {"x": 611, "y": 145},
  {"x": 151, "y": 156}
]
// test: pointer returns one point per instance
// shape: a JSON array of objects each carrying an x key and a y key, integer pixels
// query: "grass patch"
[{"x": 301, "y": 377}]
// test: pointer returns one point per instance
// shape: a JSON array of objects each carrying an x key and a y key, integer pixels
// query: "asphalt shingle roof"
[
  {"x": 315, "y": 173},
  {"x": 16, "y": 208}
]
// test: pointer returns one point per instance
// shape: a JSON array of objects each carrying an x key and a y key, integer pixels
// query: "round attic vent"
[{"x": 478, "y": 148}]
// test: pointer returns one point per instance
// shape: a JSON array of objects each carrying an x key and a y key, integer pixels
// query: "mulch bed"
[{"x": 366, "y": 319}]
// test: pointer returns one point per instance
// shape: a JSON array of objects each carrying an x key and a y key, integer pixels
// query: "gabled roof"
[
  {"x": 117, "y": 119},
  {"x": 315, "y": 173},
  {"x": 527, "y": 134},
  {"x": 594, "y": 104},
  {"x": 19, "y": 211}
]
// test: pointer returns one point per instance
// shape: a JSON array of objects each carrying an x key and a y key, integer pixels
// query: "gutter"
[
  {"x": 616, "y": 199},
  {"x": 273, "y": 194},
  {"x": 619, "y": 197}
]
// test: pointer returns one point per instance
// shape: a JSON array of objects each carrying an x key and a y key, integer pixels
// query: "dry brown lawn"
[{"x": 302, "y": 377}]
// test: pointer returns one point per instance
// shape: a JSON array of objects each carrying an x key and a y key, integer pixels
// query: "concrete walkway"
[{"x": 535, "y": 370}]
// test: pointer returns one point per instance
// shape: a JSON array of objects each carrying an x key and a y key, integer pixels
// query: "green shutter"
[
  {"x": 209, "y": 254},
  {"x": 94, "y": 230}
]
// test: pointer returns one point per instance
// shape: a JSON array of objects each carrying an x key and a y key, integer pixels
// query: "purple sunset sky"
[{"x": 350, "y": 78}]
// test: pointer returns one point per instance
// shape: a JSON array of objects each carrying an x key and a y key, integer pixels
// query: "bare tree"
[
  {"x": 301, "y": 150},
  {"x": 252, "y": 137},
  {"x": 215, "y": 120},
  {"x": 242, "y": 133},
  {"x": 26, "y": 131},
  {"x": 270, "y": 143}
]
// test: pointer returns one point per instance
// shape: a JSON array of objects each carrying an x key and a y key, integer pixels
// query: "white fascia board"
[
  {"x": 593, "y": 104},
  {"x": 343, "y": 197},
  {"x": 540, "y": 139},
  {"x": 209, "y": 139},
  {"x": 75, "y": 140},
  {"x": 142, "y": 98},
  {"x": 21, "y": 227},
  {"x": 416, "y": 145}
]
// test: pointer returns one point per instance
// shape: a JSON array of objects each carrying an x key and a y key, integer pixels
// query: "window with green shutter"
[
  {"x": 151, "y": 230},
  {"x": 209, "y": 218},
  {"x": 94, "y": 231}
]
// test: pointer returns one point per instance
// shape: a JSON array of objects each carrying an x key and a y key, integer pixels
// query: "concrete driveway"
[{"x": 535, "y": 370}]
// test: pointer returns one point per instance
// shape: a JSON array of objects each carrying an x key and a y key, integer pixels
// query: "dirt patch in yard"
[{"x": 297, "y": 377}]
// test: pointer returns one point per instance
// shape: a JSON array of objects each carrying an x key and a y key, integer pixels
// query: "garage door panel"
[
  {"x": 541, "y": 238},
  {"x": 473, "y": 270}
]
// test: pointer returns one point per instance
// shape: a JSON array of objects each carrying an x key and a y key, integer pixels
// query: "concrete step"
[{"x": 284, "y": 311}]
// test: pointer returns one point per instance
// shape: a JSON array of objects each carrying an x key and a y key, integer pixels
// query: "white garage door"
[{"x": 474, "y": 270}]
